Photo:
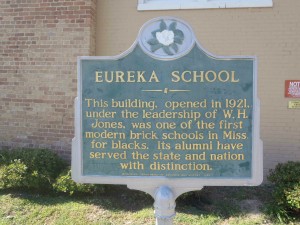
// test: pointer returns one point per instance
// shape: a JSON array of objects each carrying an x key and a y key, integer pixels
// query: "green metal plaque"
[{"x": 166, "y": 109}]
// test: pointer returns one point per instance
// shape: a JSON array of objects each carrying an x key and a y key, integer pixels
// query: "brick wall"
[{"x": 39, "y": 44}]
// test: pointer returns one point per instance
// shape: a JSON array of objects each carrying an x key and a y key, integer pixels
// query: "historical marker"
[{"x": 167, "y": 117}]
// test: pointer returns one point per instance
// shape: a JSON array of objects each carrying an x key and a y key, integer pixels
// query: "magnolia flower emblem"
[{"x": 166, "y": 38}]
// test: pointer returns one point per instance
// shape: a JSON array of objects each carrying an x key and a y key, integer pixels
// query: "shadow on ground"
[{"x": 225, "y": 202}]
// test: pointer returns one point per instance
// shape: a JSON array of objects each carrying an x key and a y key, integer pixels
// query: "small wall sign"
[
  {"x": 292, "y": 88},
  {"x": 294, "y": 105}
]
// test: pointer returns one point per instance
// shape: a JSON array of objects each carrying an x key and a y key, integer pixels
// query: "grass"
[{"x": 117, "y": 206}]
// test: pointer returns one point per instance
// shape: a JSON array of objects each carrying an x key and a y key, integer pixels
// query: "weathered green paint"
[{"x": 195, "y": 60}]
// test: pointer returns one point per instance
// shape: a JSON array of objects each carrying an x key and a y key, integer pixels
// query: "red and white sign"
[{"x": 292, "y": 88}]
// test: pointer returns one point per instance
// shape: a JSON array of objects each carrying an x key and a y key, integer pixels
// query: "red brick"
[{"x": 37, "y": 72}]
